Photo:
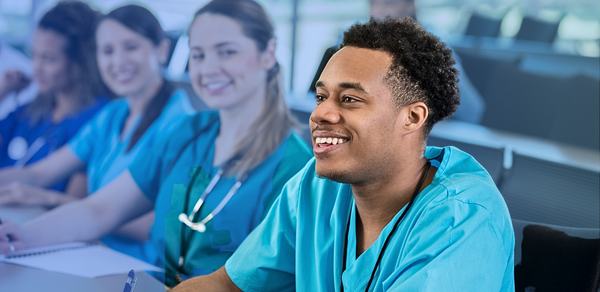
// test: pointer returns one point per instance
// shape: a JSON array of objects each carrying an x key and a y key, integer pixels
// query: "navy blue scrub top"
[{"x": 18, "y": 135}]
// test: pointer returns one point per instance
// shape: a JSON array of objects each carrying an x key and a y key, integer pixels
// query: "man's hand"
[
  {"x": 218, "y": 281},
  {"x": 11, "y": 81}
]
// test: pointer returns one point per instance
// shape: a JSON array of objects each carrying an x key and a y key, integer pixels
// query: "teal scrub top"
[
  {"x": 165, "y": 173},
  {"x": 99, "y": 146},
  {"x": 457, "y": 236}
]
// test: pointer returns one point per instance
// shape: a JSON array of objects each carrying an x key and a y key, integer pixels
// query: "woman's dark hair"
[
  {"x": 143, "y": 22},
  {"x": 276, "y": 119},
  {"x": 75, "y": 21}
]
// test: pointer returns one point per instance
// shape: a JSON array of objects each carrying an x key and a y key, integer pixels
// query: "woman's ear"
[
  {"x": 268, "y": 59},
  {"x": 163, "y": 51}
]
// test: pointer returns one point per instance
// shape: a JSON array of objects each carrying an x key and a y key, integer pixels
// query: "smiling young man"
[{"x": 376, "y": 210}]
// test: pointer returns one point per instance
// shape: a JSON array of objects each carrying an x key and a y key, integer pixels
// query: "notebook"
[{"x": 83, "y": 259}]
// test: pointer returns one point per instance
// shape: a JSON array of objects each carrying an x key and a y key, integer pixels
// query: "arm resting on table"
[
  {"x": 217, "y": 281},
  {"x": 91, "y": 218}
]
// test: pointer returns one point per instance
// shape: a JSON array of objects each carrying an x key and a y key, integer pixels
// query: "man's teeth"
[{"x": 330, "y": 140}]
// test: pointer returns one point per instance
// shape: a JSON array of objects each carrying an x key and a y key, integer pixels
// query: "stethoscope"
[
  {"x": 191, "y": 220},
  {"x": 22, "y": 153}
]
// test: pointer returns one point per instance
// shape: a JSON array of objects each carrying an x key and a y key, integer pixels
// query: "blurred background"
[
  {"x": 569, "y": 30},
  {"x": 534, "y": 63}
]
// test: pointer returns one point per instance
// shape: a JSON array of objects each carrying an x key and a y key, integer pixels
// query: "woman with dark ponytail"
[
  {"x": 215, "y": 177},
  {"x": 70, "y": 92},
  {"x": 131, "y": 46}
]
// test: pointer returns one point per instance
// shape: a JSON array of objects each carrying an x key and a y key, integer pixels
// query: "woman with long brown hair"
[
  {"x": 131, "y": 46},
  {"x": 214, "y": 179}
]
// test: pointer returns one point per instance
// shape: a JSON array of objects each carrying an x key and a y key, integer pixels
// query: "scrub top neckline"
[
  {"x": 356, "y": 274},
  {"x": 124, "y": 134}
]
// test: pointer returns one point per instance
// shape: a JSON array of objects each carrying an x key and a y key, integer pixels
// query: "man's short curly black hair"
[{"x": 422, "y": 66}]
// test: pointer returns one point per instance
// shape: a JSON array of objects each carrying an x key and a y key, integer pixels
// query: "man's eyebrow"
[
  {"x": 352, "y": 85},
  {"x": 347, "y": 85}
]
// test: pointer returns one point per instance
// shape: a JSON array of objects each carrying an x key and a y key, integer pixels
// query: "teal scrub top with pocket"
[
  {"x": 457, "y": 236},
  {"x": 99, "y": 145},
  {"x": 165, "y": 174}
]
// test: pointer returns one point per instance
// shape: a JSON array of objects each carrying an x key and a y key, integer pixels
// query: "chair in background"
[
  {"x": 577, "y": 119},
  {"x": 522, "y": 102},
  {"x": 491, "y": 158},
  {"x": 537, "y": 30},
  {"x": 483, "y": 26},
  {"x": 551, "y": 193},
  {"x": 479, "y": 68},
  {"x": 556, "y": 258}
]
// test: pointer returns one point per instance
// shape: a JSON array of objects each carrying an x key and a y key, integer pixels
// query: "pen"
[
  {"x": 12, "y": 247},
  {"x": 130, "y": 283}
]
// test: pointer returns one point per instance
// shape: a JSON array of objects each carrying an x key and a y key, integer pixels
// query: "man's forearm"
[{"x": 217, "y": 281}]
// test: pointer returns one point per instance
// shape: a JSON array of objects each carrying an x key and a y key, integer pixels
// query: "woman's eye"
[
  {"x": 197, "y": 56},
  {"x": 131, "y": 48},
  {"x": 226, "y": 53}
]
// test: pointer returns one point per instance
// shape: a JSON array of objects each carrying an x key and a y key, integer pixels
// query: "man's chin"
[{"x": 339, "y": 177}]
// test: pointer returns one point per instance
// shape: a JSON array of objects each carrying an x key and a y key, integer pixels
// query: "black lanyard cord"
[{"x": 387, "y": 239}]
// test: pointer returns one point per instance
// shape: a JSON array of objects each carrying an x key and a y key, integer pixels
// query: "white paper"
[{"x": 77, "y": 259}]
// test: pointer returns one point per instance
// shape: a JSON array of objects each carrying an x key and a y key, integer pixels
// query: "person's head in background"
[
  {"x": 233, "y": 69},
  {"x": 131, "y": 48},
  {"x": 394, "y": 8},
  {"x": 63, "y": 61}
]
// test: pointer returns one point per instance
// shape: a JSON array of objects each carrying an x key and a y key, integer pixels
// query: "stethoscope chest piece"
[
  {"x": 17, "y": 148},
  {"x": 197, "y": 226}
]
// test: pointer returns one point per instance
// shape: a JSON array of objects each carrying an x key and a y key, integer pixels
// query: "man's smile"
[{"x": 326, "y": 142}]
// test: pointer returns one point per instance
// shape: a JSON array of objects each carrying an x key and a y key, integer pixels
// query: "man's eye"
[
  {"x": 319, "y": 98},
  {"x": 198, "y": 56},
  {"x": 349, "y": 99}
]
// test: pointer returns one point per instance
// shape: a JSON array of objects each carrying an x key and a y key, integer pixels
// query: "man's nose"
[{"x": 326, "y": 112}]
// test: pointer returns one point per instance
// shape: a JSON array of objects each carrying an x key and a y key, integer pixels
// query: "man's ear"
[
  {"x": 163, "y": 51},
  {"x": 268, "y": 59},
  {"x": 414, "y": 116}
]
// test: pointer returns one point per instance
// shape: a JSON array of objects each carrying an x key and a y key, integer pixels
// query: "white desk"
[{"x": 24, "y": 279}]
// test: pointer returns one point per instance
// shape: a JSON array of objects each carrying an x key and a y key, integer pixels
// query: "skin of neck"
[
  {"x": 377, "y": 202},
  {"x": 236, "y": 123},
  {"x": 139, "y": 100},
  {"x": 63, "y": 107}
]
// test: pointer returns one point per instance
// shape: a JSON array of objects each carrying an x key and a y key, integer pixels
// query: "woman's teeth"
[
  {"x": 330, "y": 140},
  {"x": 218, "y": 85}
]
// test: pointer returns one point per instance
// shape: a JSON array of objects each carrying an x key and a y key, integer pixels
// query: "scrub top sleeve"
[
  {"x": 147, "y": 169},
  {"x": 84, "y": 142},
  {"x": 265, "y": 261},
  {"x": 455, "y": 246}
]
